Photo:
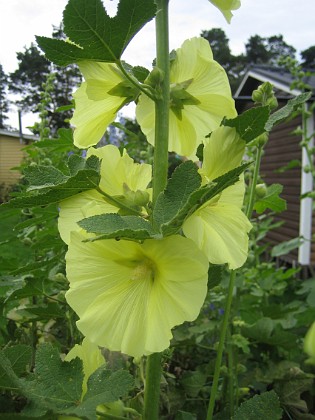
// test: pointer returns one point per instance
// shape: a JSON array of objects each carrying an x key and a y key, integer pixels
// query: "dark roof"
[
  {"x": 16, "y": 134},
  {"x": 280, "y": 78}
]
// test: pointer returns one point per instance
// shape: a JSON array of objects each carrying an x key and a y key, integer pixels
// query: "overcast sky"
[{"x": 21, "y": 20}]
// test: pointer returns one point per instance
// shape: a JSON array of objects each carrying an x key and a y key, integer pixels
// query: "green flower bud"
[
  {"x": 261, "y": 190},
  {"x": 272, "y": 102},
  {"x": 59, "y": 277},
  {"x": 257, "y": 96},
  {"x": 27, "y": 241},
  {"x": 155, "y": 77},
  {"x": 307, "y": 169}
]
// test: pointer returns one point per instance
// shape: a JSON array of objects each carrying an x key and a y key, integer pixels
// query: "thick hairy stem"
[{"x": 160, "y": 170}]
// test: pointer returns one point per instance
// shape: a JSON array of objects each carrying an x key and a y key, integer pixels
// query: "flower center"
[{"x": 143, "y": 271}]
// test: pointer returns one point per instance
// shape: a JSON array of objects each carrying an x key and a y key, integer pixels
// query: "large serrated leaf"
[
  {"x": 284, "y": 112},
  {"x": 271, "y": 200},
  {"x": 112, "y": 225},
  {"x": 52, "y": 189},
  {"x": 264, "y": 406},
  {"x": 251, "y": 123},
  {"x": 14, "y": 362},
  {"x": 94, "y": 34},
  {"x": 184, "y": 181},
  {"x": 199, "y": 197},
  {"x": 104, "y": 386},
  {"x": 57, "y": 384}
]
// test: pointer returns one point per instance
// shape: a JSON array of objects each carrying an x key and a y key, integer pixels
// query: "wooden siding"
[
  {"x": 11, "y": 155},
  {"x": 281, "y": 148}
]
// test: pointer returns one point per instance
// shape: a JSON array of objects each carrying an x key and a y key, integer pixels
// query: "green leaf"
[
  {"x": 284, "y": 112},
  {"x": 14, "y": 362},
  {"x": 290, "y": 390},
  {"x": 112, "y": 225},
  {"x": 173, "y": 221},
  {"x": 185, "y": 180},
  {"x": 215, "y": 275},
  {"x": 104, "y": 386},
  {"x": 251, "y": 123},
  {"x": 57, "y": 384},
  {"x": 95, "y": 35},
  {"x": 53, "y": 188},
  {"x": 271, "y": 200},
  {"x": 285, "y": 247},
  {"x": 264, "y": 406}
]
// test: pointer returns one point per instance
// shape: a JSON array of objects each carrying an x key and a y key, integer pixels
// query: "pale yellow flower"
[
  {"x": 97, "y": 101},
  {"x": 200, "y": 98},
  {"x": 225, "y": 6},
  {"x": 220, "y": 228},
  {"x": 129, "y": 296},
  {"x": 118, "y": 173}
]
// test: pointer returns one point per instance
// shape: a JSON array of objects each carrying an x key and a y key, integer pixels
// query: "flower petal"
[
  {"x": 225, "y": 6},
  {"x": 222, "y": 152},
  {"x": 95, "y": 109},
  {"x": 123, "y": 305},
  {"x": 220, "y": 229}
]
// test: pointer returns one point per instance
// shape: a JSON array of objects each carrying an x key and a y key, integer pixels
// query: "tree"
[
  {"x": 28, "y": 81},
  {"x": 308, "y": 57},
  {"x": 267, "y": 50},
  {"x": 4, "y": 103}
]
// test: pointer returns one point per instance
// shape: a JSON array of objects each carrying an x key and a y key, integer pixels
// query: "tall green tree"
[
  {"x": 267, "y": 50},
  {"x": 4, "y": 102},
  {"x": 28, "y": 79},
  {"x": 308, "y": 58}
]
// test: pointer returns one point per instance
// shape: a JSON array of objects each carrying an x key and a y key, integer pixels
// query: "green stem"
[
  {"x": 216, "y": 376},
  {"x": 152, "y": 387},
  {"x": 115, "y": 202},
  {"x": 160, "y": 165},
  {"x": 251, "y": 200},
  {"x": 160, "y": 171}
]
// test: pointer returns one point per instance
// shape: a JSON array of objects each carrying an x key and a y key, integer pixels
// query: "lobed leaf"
[
  {"x": 112, "y": 225},
  {"x": 95, "y": 35},
  {"x": 184, "y": 181},
  {"x": 250, "y": 124},
  {"x": 53, "y": 187},
  {"x": 264, "y": 406},
  {"x": 271, "y": 200},
  {"x": 285, "y": 112},
  {"x": 197, "y": 199}
]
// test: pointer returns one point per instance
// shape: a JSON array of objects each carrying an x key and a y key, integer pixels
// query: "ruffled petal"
[
  {"x": 225, "y": 6},
  {"x": 220, "y": 229},
  {"x": 222, "y": 152},
  {"x": 91, "y": 118},
  {"x": 128, "y": 295},
  {"x": 207, "y": 82},
  {"x": 95, "y": 108},
  {"x": 78, "y": 207}
]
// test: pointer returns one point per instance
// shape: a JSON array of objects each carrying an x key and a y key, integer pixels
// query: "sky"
[{"x": 21, "y": 20}]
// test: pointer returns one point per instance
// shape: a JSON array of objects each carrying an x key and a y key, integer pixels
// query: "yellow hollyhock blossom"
[
  {"x": 97, "y": 101},
  {"x": 129, "y": 296},
  {"x": 220, "y": 228},
  {"x": 119, "y": 176},
  {"x": 225, "y": 6},
  {"x": 200, "y": 98}
]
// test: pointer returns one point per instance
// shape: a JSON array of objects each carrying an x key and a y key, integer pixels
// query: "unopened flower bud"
[
  {"x": 256, "y": 96},
  {"x": 155, "y": 77},
  {"x": 261, "y": 190},
  {"x": 272, "y": 102}
]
